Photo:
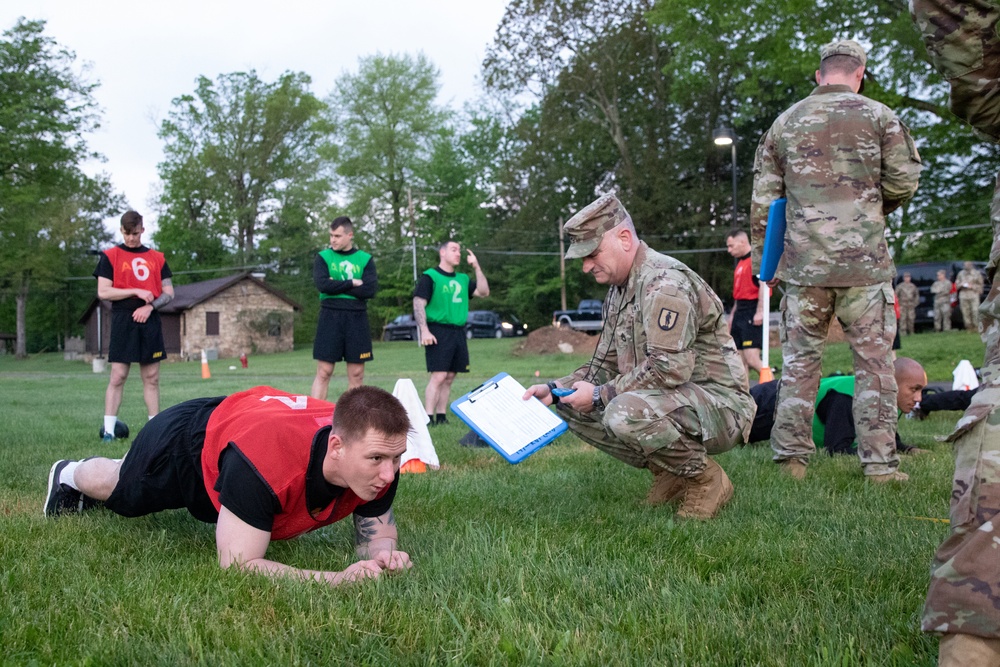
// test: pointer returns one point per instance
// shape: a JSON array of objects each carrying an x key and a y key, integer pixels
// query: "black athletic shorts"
[
  {"x": 745, "y": 333},
  {"x": 133, "y": 342},
  {"x": 162, "y": 469},
  {"x": 451, "y": 354},
  {"x": 343, "y": 335}
]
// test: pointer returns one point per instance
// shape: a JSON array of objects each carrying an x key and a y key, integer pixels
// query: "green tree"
[
  {"x": 387, "y": 128},
  {"x": 753, "y": 59},
  {"x": 240, "y": 153},
  {"x": 50, "y": 211}
]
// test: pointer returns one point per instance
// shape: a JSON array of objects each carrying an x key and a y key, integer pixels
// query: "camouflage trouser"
[
  {"x": 942, "y": 316},
  {"x": 964, "y": 595},
  {"x": 656, "y": 429},
  {"x": 970, "y": 310},
  {"x": 907, "y": 315},
  {"x": 867, "y": 316}
]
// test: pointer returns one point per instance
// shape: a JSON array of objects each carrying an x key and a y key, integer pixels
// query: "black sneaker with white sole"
[{"x": 61, "y": 498}]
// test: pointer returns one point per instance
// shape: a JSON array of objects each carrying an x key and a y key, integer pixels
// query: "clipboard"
[
  {"x": 774, "y": 239},
  {"x": 515, "y": 428}
]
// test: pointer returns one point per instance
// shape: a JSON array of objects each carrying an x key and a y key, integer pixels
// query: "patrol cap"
[
  {"x": 845, "y": 47},
  {"x": 586, "y": 228}
]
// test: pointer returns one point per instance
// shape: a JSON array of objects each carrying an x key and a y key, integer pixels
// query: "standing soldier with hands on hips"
[
  {"x": 137, "y": 281},
  {"x": 441, "y": 308},
  {"x": 941, "y": 289},
  {"x": 346, "y": 279},
  {"x": 908, "y": 298},
  {"x": 969, "y": 282}
]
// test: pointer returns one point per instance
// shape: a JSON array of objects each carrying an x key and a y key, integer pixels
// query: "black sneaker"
[
  {"x": 121, "y": 432},
  {"x": 61, "y": 498}
]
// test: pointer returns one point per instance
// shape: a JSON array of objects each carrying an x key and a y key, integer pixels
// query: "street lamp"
[{"x": 724, "y": 136}]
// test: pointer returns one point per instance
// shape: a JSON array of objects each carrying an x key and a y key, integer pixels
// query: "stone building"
[{"x": 226, "y": 317}]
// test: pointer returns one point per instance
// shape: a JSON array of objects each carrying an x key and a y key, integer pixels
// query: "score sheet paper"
[{"x": 512, "y": 423}]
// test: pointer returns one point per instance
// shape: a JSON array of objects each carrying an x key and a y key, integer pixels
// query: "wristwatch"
[
  {"x": 551, "y": 386},
  {"x": 598, "y": 403}
]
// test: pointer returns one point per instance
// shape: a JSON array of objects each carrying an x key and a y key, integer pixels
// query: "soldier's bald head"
[{"x": 907, "y": 369}]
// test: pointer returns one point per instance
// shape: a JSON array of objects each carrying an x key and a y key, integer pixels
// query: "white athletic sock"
[
  {"x": 109, "y": 423},
  {"x": 151, "y": 416},
  {"x": 67, "y": 473}
]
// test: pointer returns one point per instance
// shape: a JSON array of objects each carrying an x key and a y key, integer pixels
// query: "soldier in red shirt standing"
[
  {"x": 747, "y": 317},
  {"x": 136, "y": 279}
]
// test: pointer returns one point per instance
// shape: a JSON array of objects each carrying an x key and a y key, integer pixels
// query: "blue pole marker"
[{"x": 774, "y": 239}]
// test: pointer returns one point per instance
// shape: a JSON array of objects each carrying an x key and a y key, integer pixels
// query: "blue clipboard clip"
[{"x": 481, "y": 389}]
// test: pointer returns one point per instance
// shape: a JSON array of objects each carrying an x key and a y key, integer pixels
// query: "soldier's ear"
[{"x": 626, "y": 238}]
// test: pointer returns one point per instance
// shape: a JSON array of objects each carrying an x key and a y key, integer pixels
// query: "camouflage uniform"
[
  {"x": 669, "y": 374},
  {"x": 941, "y": 289},
  {"x": 970, "y": 286},
  {"x": 836, "y": 261},
  {"x": 908, "y": 297},
  {"x": 964, "y": 595}
]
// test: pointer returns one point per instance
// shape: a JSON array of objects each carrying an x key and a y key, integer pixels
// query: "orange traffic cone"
[
  {"x": 413, "y": 465},
  {"x": 205, "y": 373},
  {"x": 765, "y": 374}
]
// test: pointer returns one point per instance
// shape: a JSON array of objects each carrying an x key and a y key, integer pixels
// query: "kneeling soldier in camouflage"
[{"x": 666, "y": 386}]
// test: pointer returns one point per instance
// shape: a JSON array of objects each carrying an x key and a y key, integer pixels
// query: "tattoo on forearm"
[
  {"x": 365, "y": 528},
  {"x": 419, "y": 314}
]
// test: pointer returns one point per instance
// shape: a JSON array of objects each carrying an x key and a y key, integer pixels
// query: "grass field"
[{"x": 553, "y": 561}]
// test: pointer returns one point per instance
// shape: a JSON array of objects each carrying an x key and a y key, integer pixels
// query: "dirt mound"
[{"x": 555, "y": 340}]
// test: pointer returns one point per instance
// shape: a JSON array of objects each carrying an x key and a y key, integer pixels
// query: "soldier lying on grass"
[{"x": 260, "y": 464}]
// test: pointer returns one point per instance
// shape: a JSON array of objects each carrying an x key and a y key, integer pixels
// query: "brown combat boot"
[
  {"x": 960, "y": 650},
  {"x": 667, "y": 487},
  {"x": 894, "y": 476},
  {"x": 794, "y": 468},
  {"x": 706, "y": 493}
]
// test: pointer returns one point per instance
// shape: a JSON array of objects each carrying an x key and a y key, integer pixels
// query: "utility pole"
[
  {"x": 562, "y": 264},
  {"x": 413, "y": 230},
  {"x": 413, "y": 222}
]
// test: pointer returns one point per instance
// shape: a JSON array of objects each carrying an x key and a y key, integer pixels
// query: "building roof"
[{"x": 188, "y": 296}]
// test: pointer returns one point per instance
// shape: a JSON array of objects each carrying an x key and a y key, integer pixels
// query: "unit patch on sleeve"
[{"x": 667, "y": 319}]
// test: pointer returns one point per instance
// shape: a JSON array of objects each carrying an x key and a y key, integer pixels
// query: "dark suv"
[
  {"x": 923, "y": 275},
  {"x": 491, "y": 324},
  {"x": 403, "y": 327}
]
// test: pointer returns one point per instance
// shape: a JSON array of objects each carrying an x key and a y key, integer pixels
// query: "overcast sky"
[{"x": 144, "y": 54}]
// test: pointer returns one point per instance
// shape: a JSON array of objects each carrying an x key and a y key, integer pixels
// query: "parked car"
[
  {"x": 483, "y": 324},
  {"x": 403, "y": 327},
  {"x": 491, "y": 324},
  {"x": 923, "y": 274},
  {"x": 512, "y": 325}
]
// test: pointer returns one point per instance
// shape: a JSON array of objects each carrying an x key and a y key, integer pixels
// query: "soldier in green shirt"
[
  {"x": 346, "y": 279},
  {"x": 441, "y": 307}
]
